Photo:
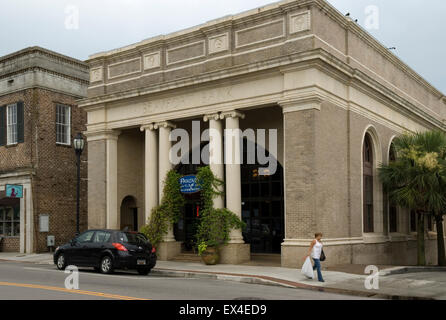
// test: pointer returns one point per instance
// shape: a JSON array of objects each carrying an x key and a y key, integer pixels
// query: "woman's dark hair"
[{"x": 318, "y": 234}]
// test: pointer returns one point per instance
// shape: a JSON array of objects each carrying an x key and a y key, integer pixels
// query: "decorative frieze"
[
  {"x": 260, "y": 33},
  {"x": 300, "y": 22},
  {"x": 184, "y": 53},
  {"x": 152, "y": 60},
  {"x": 124, "y": 68},
  {"x": 219, "y": 43},
  {"x": 96, "y": 74}
]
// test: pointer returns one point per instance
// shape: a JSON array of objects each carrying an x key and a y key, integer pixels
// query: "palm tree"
[{"x": 417, "y": 180}]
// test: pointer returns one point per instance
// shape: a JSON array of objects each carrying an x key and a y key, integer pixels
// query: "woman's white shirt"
[{"x": 317, "y": 250}]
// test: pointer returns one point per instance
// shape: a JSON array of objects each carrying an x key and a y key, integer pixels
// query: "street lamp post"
[{"x": 78, "y": 143}]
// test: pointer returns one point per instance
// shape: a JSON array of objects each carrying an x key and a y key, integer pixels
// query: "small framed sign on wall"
[
  {"x": 44, "y": 223},
  {"x": 14, "y": 191}
]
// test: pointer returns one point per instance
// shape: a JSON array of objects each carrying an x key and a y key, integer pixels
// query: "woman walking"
[{"x": 315, "y": 253}]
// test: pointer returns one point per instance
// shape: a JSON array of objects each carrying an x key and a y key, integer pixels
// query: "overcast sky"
[{"x": 417, "y": 28}]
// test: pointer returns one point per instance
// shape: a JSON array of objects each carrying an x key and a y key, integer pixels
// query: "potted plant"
[{"x": 215, "y": 224}]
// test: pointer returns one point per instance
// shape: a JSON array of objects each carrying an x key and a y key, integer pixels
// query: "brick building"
[
  {"x": 336, "y": 96},
  {"x": 38, "y": 120}
]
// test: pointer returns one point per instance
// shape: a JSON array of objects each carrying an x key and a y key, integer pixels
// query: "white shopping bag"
[{"x": 307, "y": 269}]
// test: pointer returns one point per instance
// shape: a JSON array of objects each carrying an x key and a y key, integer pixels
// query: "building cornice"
[
  {"x": 46, "y": 52},
  {"x": 318, "y": 58}
]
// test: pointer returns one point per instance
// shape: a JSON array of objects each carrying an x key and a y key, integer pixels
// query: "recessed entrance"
[
  {"x": 262, "y": 208},
  {"x": 129, "y": 214}
]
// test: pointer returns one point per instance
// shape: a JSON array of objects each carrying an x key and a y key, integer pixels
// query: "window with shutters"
[
  {"x": 12, "y": 128},
  {"x": 63, "y": 124}
]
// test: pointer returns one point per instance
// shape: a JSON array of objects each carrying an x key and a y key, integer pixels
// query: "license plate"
[{"x": 140, "y": 262}]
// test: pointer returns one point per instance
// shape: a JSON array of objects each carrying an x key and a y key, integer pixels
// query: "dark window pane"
[
  {"x": 276, "y": 189},
  {"x": 413, "y": 221},
  {"x": 276, "y": 209},
  {"x": 245, "y": 190},
  {"x": 255, "y": 190},
  {"x": 265, "y": 209},
  {"x": 393, "y": 219},
  {"x": 264, "y": 189}
]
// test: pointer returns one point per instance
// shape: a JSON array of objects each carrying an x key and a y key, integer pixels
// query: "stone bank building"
[
  {"x": 38, "y": 120},
  {"x": 335, "y": 95}
]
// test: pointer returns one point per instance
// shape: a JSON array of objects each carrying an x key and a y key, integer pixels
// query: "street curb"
[
  {"x": 411, "y": 269},
  {"x": 263, "y": 280}
]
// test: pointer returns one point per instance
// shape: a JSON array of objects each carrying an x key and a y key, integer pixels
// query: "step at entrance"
[{"x": 187, "y": 257}]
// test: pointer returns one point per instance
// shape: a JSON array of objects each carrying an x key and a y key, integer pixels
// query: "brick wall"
[
  {"x": 11, "y": 244},
  {"x": 54, "y": 182},
  {"x": 56, "y": 177}
]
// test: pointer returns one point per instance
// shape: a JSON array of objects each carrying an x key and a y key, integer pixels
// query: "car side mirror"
[{"x": 73, "y": 241}]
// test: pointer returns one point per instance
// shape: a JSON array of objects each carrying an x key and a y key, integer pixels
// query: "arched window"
[
  {"x": 368, "y": 184},
  {"x": 393, "y": 210}
]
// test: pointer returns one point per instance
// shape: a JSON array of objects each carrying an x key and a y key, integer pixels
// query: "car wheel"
[
  {"x": 106, "y": 265},
  {"x": 143, "y": 271},
  {"x": 61, "y": 262}
]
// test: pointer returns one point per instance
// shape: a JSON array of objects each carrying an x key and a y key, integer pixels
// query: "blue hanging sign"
[
  {"x": 189, "y": 184},
  {"x": 14, "y": 191}
]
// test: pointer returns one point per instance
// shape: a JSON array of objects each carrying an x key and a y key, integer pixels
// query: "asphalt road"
[{"x": 31, "y": 281}]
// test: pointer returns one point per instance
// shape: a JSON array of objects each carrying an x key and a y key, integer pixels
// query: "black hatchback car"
[{"x": 107, "y": 250}]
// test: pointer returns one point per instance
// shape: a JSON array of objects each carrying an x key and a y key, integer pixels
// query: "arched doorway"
[
  {"x": 262, "y": 206},
  {"x": 129, "y": 214}
]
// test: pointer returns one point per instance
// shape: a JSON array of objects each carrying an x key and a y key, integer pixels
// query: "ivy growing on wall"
[
  {"x": 215, "y": 224},
  {"x": 168, "y": 212}
]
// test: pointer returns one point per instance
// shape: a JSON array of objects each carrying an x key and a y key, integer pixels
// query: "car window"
[
  {"x": 101, "y": 236},
  {"x": 86, "y": 236},
  {"x": 132, "y": 238}
]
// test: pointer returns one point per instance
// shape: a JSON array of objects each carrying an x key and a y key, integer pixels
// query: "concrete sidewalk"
[{"x": 394, "y": 282}]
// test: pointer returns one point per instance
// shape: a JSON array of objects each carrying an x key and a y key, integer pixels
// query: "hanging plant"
[{"x": 168, "y": 212}]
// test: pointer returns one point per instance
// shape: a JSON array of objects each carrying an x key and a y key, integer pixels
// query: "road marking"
[
  {"x": 135, "y": 277},
  {"x": 84, "y": 292}
]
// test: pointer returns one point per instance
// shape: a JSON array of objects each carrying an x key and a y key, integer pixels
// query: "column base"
[
  {"x": 167, "y": 250},
  {"x": 235, "y": 253}
]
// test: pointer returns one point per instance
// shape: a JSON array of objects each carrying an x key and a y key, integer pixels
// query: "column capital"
[
  {"x": 148, "y": 126},
  {"x": 164, "y": 124},
  {"x": 232, "y": 114},
  {"x": 106, "y": 134},
  {"x": 211, "y": 116}
]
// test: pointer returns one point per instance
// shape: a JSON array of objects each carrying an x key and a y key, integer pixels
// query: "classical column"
[
  {"x": 151, "y": 170},
  {"x": 233, "y": 171},
  {"x": 216, "y": 151},
  {"x": 112, "y": 211},
  {"x": 164, "y": 164}
]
